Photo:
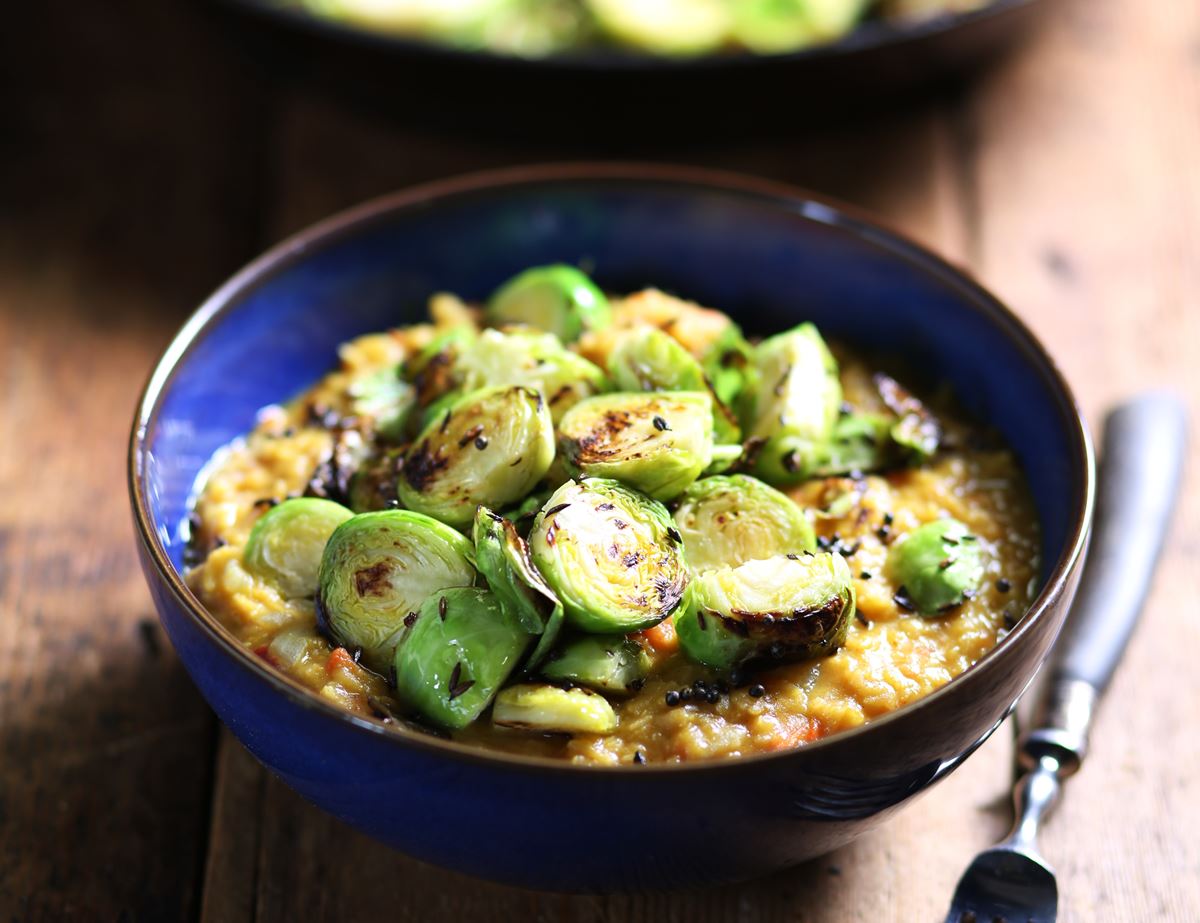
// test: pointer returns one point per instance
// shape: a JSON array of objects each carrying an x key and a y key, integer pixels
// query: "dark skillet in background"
[
  {"x": 769, "y": 255},
  {"x": 573, "y": 94}
]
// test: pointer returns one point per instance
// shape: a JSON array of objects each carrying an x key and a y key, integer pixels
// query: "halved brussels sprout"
[
  {"x": 373, "y": 485},
  {"x": 769, "y": 26},
  {"x": 936, "y": 566},
  {"x": 384, "y": 398},
  {"x": 730, "y": 519},
  {"x": 788, "y": 607},
  {"x": 916, "y": 431},
  {"x": 613, "y": 664},
  {"x": 675, "y": 27},
  {"x": 646, "y": 359},
  {"x": 558, "y": 299},
  {"x": 611, "y": 556},
  {"x": 502, "y": 556},
  {"x": 379, "y": 567},
  {"x": 490, "y": 447},
  {"x": 523, "y": 356},
  {"x": 658, "y": 443},
  {"x": 456, "y": 653},
  {"x": 286, "y": 544},
  {"x": 433, "y": 371},
  {"x": 725, "y": 362},
  {"x": 794, "y": 404},
  {"x": 549, "y": 709},
  {"x": 859, "y": 442}
]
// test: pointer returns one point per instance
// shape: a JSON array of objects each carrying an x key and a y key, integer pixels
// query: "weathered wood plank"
[
  {"x": 1085, "y": 180},
  {"x": 117, "y": 215}
]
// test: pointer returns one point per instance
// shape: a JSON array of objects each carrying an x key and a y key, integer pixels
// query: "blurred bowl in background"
[{"x": 879, "y": 62}]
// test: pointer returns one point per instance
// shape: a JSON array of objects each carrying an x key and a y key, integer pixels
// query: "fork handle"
[{"x": 1142, "y": 462}]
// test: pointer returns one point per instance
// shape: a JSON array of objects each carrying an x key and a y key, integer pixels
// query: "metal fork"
[{"x": 1144, "y": 447}]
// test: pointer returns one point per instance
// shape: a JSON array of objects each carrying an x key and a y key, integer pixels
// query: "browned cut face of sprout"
[{"x": 614, "y": 529}]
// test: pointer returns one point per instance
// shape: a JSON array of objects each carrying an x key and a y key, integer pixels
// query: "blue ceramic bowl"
[{"x": 770, "y": 256}]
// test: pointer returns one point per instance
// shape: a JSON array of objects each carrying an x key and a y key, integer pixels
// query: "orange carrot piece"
[{"x": 662, "y": 637}]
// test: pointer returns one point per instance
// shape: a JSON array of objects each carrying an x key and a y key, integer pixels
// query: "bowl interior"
[{"x": 769, "y": 262}]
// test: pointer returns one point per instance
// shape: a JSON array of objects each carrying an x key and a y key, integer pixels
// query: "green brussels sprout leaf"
[
  {"x": 550, "y": 709},
  {"x": 455, "y": 653},
  {"x": 377, "y": 568},
  {"x": 286, "y": 544}
]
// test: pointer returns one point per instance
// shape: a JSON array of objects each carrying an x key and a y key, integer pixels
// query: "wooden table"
[{"x": 143, "y": 160}]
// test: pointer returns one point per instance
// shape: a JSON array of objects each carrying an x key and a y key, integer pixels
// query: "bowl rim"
[
  {"x": 864, "y": 38},
  {"x": 331, "y": 230}
]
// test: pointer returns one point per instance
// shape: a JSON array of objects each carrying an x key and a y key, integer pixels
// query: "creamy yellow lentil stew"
[{"x": 627, "y": 535}]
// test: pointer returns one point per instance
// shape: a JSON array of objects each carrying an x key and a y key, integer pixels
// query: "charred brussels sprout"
[
  {"x": 286, "y": 544},
  {"x": 916, "y": 431},
  {"x": 549, "y": 709},
  {"x": 385, "y": 399},
  {"x": 373, "y": 485},
  {"x": 615, "y": 665},
  {"x": 658, "y": 443},
  {"x": 456, "y": 653},
  {"x": 502, "y": 556},
  {"x": 936, "y": 566},
  {"x": 859, "y": 442},
  {"x": 523, "y": 356},
  {"x": 787, "y": 607},
  {"x": 726, "y": 362},
  {"x": 378, "y": 568},
  {"x": 610, "y": 555},
  {"x": 559, "y": 299},
  {"x": 728, "y": 520},
  {"x": 794, "y": 404},
  {"x": 646, "y": 359},
  {"x": 490, "y": 447},
  {"x": 432, "y": 371}
]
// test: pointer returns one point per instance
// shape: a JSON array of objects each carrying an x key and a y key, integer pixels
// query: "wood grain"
[
  {"x": 1090, "y": 227},
  {"x": 143, "y": 159},
  {"x": 115, "y": 216}
]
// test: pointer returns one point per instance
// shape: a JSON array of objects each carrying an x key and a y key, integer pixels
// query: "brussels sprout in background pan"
[
  {"x": 791, "y": 409},
  {"x": 490, "y": 447},
  {"x": 936, "y": 566},
  {"x": 286, "y": 544},
  {"x": 379, "y": 567},
  {"x": 550, "y": 709},
  {"x": 557, "y": 299},
  {"x": 611, "y": 555},
  {"x": 534, "y": 359},
  {"x": 729, "y": 519},
  {"x": 669, "y": 27},
  {"x": 657, "y": 443},
  {"x": 455, "y": 653},
  {"x": 786, "y": 607}
]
